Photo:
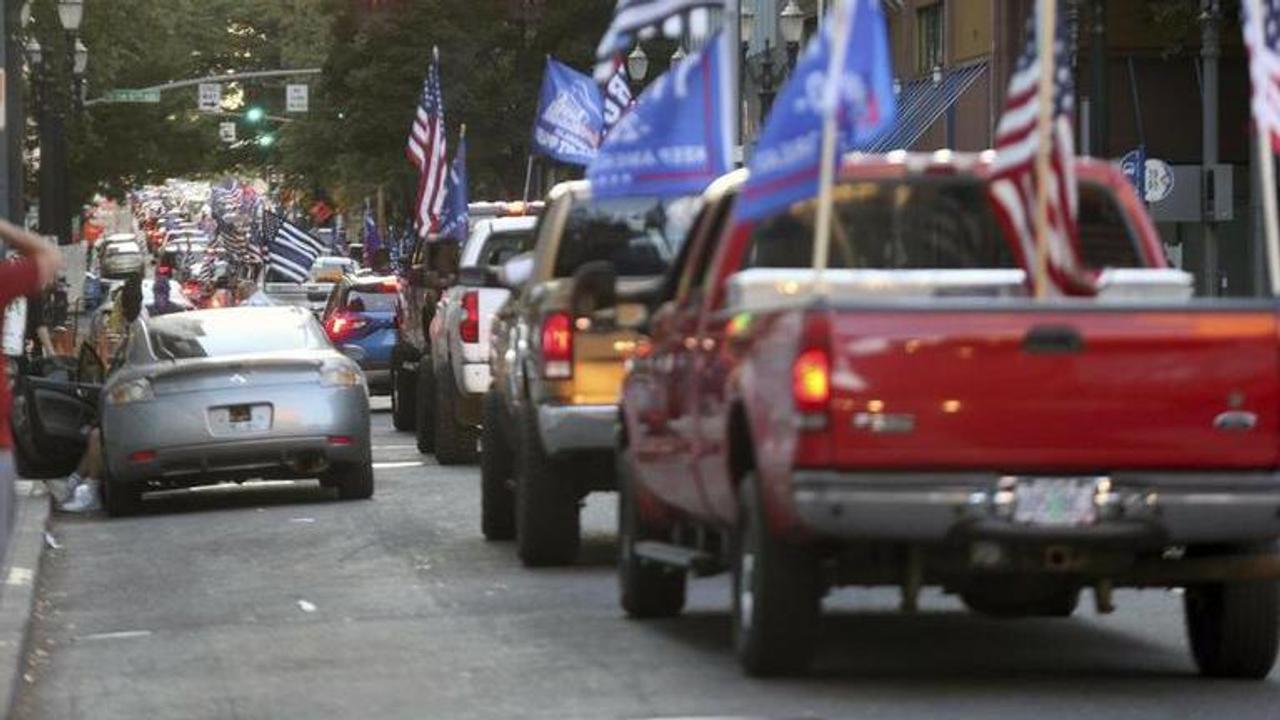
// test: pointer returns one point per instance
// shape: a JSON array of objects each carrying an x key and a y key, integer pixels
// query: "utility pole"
[
  {"x": 1099, "y": 108},
  {"x": 1209, "y": 53}
]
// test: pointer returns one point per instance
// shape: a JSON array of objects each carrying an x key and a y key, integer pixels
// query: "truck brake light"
[
  {"x": 557, "y": 346},
  {"x": 811, "y": 387},
  {"x": 469, "y": 325}
]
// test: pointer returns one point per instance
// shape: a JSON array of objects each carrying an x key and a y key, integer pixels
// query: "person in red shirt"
[{"x": 35, "y": 270}]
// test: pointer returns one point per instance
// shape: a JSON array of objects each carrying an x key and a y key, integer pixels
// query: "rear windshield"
[
  {"x": 942, "y": 224},
  {"x": 502, "y": 246},
  {"x": 640, "y": 236},
  {"x": 229, "y": 332},
  {"x": 371, "y": 301}
]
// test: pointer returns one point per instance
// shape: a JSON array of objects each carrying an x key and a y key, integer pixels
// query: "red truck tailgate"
[{"x": 1055, "y": 390}]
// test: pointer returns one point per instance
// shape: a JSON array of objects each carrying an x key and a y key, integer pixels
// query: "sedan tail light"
[
  {"x": 341, "y": 326},
  {"x": 557, "y": 346},
  {"x": 469, "y": 325}
]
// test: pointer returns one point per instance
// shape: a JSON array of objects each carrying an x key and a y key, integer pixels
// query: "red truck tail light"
[
  {"x": 811, "y": 375},
  {"x": 469, "y": 325},
  {"x": 557, "y": 346}
]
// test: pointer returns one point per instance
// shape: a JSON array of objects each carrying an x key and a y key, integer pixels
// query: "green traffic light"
[
  {"x": 255, "y": 114},
  {"x": 266, "y": 140}
]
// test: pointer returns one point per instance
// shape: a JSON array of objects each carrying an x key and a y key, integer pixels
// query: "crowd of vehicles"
[{"x": 908, "y": 416}]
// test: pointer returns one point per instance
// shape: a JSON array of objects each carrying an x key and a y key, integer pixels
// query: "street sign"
[
  {"x": 296, "y": 98},
  {"x": 132, "y": 96},
  {"x": 227, "y": 132},
  {"x": 1159, "y": 180},
  {"x": 209, "y": 98}
]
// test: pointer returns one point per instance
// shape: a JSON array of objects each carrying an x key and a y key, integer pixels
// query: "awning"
[{"x": 921, "y": 102}]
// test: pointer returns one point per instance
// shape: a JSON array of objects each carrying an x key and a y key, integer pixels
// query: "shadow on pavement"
[
  {"x": 228, "y": 497},
  {"x": 956, "y": 645}
]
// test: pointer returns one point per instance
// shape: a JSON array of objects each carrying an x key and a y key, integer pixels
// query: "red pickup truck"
[{"x": 912, "y": 418}]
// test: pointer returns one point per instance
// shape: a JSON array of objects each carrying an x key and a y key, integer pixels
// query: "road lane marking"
[
  {"x": 118, "y": 635},
  {"x": 394, "y": 465}
]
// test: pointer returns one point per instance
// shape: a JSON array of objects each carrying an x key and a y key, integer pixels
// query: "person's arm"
[
  {"x": 47, "y": 259},
  {"x": 46, "y": 342}
]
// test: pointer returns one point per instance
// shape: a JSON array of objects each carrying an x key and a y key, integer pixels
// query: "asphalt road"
[{"x": 276, "y": 601}]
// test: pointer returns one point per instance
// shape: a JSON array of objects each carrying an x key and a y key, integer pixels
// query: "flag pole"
[
  {"x": 1267, "y": 174},
  {"x": 528, "y": 177},
  {"x": 827, "y": 159},
  {"x": 1044, "y": 127}
]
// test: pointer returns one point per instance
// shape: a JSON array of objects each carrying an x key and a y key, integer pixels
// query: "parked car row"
[{"x": 905, "y": 416}]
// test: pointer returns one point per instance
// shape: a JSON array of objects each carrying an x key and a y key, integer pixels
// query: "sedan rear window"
[{"x": 219, "y": 333}]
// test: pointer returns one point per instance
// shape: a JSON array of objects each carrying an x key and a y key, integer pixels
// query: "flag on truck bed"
[
  {"x": 455, "y": 220},
  {"x": 1262, "y": 37},
  {"x": 427, "y": 150},
  {"x": 635, "y": 19},
  {"x": 290, "y": 248},
  {"x": 1015, "y": 181}
]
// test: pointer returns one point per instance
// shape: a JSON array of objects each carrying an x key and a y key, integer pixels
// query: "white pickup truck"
[{"x": 460, "y": 335}]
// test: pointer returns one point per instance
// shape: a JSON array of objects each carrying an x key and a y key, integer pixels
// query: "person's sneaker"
[
  {"x": 84, "y": 499},
  {"x": 62, "y": 489}
]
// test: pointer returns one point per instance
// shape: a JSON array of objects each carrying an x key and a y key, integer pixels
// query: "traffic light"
[
  {"x": 266, "y": 140},
  {"x": 255, "y": 114}
]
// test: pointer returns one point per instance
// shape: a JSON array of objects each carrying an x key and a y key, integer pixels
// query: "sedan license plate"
[
  {"x": 1056, "y": 502},
  {"x": 235, "y": 419}
]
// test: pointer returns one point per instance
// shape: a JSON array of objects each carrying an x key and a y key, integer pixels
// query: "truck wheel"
[
  {"x": 776, "y": 595},
  {"x": 1021, "y": 597},
  {"x": 354, "y": 481},
  {"x": 403, "y": 413},
  {"x": 455, "y": 443},
  {"x": 648, "y": 590},
  {"x": 547, "y": 530},
  {"x": 424, "y": 400},
  {"x": 1234, "y": 628},
  {"x": 497, "y": 497}
]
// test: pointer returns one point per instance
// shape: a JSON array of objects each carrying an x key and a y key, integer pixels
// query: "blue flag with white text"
[
  {"x": 570, "y": 115},
  {"x": 785, "y": 166},
  {"x": 455, "y": 217},
  {"x": 677, "y": 137}
]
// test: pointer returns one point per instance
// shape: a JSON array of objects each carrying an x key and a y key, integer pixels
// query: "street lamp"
[
  {"x": 81, "y": 62},
  {"x": 767, "y": 82},
  {"x": 637, "y": 65},
  {"x": 70, "y": 13},
  {"x": 746, "y": 27},
  {"x": 791, "y": 23},
  {"x": 35, "y": 54}
]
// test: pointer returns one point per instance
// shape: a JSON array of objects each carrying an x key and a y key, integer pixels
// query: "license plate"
[
  {"x": 240, "y": 419},
  {"x": 1056, "y": 502}
]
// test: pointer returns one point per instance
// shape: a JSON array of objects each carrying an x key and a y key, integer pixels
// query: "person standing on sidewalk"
[{"x": 35, "y": 270}]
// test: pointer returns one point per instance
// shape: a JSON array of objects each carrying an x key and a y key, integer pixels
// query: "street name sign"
[
  {"x": 227, "y": 132},
  {"x": 133, "y": 96}
]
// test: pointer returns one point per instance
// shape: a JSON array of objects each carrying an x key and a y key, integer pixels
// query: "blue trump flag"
[
  {"x": 455, "y": 217},
  {"x": 785, "y": 167},
  {"x": 678, "y": 136},
  {"x": 570, "y": 115}
]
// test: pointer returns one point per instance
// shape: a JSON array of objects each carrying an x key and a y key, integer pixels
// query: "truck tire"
[
  {"x": 1234, "y": 628},
  {"x": 403, "y": 386},
  {"x": 497, "y": 496},
  {"x": 547, "y": 529},
  {"x": 1021, "y": 597},
  {"x": 647, "y": 589},
  {"x": 424, "y": 401},
  {"x": 354, "y": 481},
  {"x": 776, "y": 595},
  {"x": 455, "y": 442}
]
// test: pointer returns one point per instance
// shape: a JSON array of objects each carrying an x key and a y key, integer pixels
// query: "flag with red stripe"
[
  {"x": 427, "y": 151},
  {"x": 1262, "y": 37},
  {"x": 1015, "y": 182}
]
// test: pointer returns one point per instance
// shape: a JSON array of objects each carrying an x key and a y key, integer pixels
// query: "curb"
[{"x": 18, "y": 593}]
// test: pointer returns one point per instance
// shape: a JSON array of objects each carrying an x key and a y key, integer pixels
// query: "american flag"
[
  {"x": 1015, "y": 182},
  {"x": 636, "y": 19},
  {"x": 427, "y": 150},
  {"x": 1262, "y": 37}
]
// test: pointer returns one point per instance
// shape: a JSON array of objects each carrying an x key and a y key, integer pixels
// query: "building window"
[{"x": 928, "y": 38}]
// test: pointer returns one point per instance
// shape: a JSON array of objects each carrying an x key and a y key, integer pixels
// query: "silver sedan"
[{"x": 230, "y": 395}]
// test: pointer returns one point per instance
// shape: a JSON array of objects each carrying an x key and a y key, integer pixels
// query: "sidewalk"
[{"x": 18, "y": 592}]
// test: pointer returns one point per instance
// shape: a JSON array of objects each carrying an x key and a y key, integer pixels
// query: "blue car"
[{"x": 360, "y": 320}]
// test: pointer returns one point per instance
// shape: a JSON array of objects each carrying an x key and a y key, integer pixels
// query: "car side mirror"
[
  {"x": 595, "y": 287},
  {"x": 516, "y": 272},
  {"x": 478, "y": 276}
]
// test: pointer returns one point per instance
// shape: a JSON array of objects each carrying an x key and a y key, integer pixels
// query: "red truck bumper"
[{"x": 1146, "y": 509}]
